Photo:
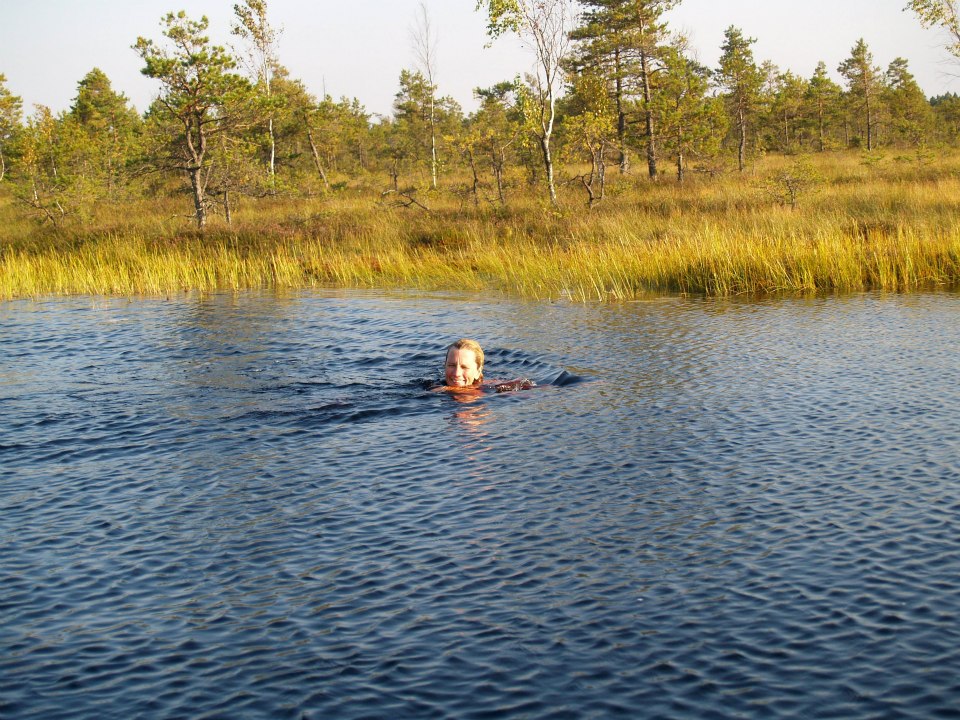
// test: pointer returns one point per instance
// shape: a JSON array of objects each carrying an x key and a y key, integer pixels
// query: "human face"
[{"x": 462, "y": 369}]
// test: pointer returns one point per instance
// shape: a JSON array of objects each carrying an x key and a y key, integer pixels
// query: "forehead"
[{"x": 463, "y": 356}]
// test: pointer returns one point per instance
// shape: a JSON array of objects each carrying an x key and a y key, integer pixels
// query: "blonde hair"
[{"x": 468, "y": 344}]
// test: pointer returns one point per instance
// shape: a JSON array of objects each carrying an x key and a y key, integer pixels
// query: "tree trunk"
[
  {"x": 680, "y": 167},
  {"x": 621, "y": 118},
  {"x": 198, "y": 200},
  {"x": 648, "y": 120},
  {"x": 433, "y": 144},
  {"x": 361, "y": 155},
  {"x": 587, "y": 180},
  {"x": 499, "y": 160},
  {"x": 316, "y": 157},
  {"x": 548, "y": 167},
  {"x": 273, "y": 154},
  {"x": 395, "y": 174},
  {"x": 196, "y": 151},
  {"x": 820, "y": 127},
  {"x": 602, "y": 169},
  {"x": 742, "y": 145},
  {"x": 476, "y": 179}
]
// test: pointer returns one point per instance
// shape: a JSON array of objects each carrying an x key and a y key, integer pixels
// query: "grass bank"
[{"x": 892, "y": 227}]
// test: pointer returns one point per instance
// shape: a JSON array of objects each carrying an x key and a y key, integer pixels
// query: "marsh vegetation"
[
  {"x": 884, "y": 225},
  {"x": 752, "y": 179}
]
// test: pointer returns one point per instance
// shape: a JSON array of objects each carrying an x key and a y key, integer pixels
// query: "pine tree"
[
  {"x": 201, "y": 96},
  {"x": 822, "y": 100},
  {"x": 911, "y": 116},
  {"x": 622, "y": 40},
  {"x": 863, "y": 85},
  {"x": 741, "y": 78},
  {"x": 110, "y": 126},
  {"x": 692, "y": 122}
]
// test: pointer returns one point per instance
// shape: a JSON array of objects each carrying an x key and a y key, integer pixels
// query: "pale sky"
[{"x": 358, "y": 48}]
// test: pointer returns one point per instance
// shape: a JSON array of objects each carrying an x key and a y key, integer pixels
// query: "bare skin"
[{"x": 461, "y": 369}]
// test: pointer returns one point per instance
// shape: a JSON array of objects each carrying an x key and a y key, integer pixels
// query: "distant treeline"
[{"x": 615, "y": 88}]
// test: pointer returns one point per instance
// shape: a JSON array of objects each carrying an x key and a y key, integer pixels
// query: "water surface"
[{"x": 251, "y": 506}]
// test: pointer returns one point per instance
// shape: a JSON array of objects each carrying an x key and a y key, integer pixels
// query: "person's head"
[{"x": 464, "y": 363}]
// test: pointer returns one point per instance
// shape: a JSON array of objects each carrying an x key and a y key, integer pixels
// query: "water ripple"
[{"x": 231, "y": 506}]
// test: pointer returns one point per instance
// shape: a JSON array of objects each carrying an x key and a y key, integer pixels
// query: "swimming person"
[{"x": 463, "y": 369}]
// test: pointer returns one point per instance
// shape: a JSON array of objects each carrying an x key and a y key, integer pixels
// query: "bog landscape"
[
  {"x": 711, "y": 470},
  {"x": 619, "y": 167}
]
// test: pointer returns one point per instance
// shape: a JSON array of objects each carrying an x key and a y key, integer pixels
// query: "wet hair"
[{"x": 467, "y": 344}]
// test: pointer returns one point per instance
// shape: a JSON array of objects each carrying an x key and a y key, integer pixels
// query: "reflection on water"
[
  {"x": 246, "y": 505},
  {"x": 470, "y": 414}
]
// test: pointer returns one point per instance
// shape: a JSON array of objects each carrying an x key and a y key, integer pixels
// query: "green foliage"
[
  {"x": 259, "y": 135},
  {"x": 253, "y": 26},
  {"x": 787, "y": 111},
  {"x": 911, "y": 117},
  {"x": 739, "y": 75},
  {"x": 943, "y": 13},
  {"x": 502, "y": 16},
  {"x": 495, "y": 133},
  {"x": 200, "y": 95},
  {"x": 863, "y": 85},
  {"x": 46, "y": 179},
  {"x": 68, "y": 163},
  {"x": 590, "y": 130},
  {"x": 112, "y": 132},
  {"x": 946, "y": 111},
  {"x": 422, "y": 122},
  {"x": 789, "y": 184},
  {"x": 11, "y": 107},
  {"x": 623, "y": 40},
  {"x": 692, "y": 123},
  {"x": 822, "y": 102},
  {"x": 545, "y": 25}
]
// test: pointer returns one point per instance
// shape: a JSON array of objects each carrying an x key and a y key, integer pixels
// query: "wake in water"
[{"x": 391, "y": 392}]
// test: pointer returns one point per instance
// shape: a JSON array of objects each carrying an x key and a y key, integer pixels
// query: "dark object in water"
[{"x": 514, "y": 385}]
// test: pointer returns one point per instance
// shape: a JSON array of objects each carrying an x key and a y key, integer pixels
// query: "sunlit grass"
[{"x": 893, "y": 227}]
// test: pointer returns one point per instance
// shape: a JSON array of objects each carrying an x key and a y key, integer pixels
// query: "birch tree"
[
  {"x": 425, "y": 50},
  {"x": 253, "y": 26},
  {"x": 545, "y": 25},
  {"x": 940, "y": 13}
]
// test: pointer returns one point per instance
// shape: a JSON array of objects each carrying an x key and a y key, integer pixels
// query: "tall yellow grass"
[{"x": 895, "y": 228}]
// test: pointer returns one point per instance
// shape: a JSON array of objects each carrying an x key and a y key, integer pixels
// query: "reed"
[{"x": 893, "y": 228}]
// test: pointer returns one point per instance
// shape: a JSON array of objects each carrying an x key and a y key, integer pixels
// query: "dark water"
[{"x": 251, "y": 507}]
